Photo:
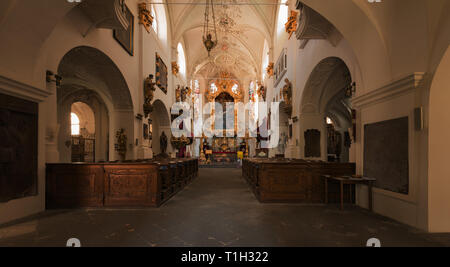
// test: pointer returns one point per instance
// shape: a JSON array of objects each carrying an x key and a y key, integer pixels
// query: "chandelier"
[{"x": 208, "y": 33}]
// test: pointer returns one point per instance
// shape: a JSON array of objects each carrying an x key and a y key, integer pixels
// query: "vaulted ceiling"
[{"x": 242, "y": 28}]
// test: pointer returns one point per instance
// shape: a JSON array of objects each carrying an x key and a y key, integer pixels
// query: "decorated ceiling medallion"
[
  {"x": 224, "y": 60},
  {"x": 228, "y": 15},
  {"x": 225, "y": 47}
]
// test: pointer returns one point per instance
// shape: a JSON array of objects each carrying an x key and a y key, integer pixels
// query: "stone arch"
[
  {"x": 324, "y": 96},
  {"x": 367, "y": 41},
  {"x": 89, "y": 73},
  {"x": 101, "y": 115},
  {"x": 161, "y": 123}
]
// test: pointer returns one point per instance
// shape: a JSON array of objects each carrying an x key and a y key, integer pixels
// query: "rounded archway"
[
  {"x": 91, "y": 77},
  {"x": 82, "y": 122},
  {"x": 327, "y": 95},
  {"x": 439, "y": 146},
  {"x": 160, "y": 123}
]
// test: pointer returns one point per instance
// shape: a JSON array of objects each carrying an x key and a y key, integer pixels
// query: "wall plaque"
[
  {"x": 386, "y": 154},
  {"x": 18, "y": 148}
]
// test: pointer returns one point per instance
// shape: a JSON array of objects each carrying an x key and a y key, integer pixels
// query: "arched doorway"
[
  {"x": 160, "y": 124},
  {"x": 82, "y": 120},
  {"x": 326, "y": 112},
  {"x": 89, "y": 76},
  {"x": 93, "y": 117},
  {"x": 439, "y": 147}
]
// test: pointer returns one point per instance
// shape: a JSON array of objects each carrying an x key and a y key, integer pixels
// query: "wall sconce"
[
  {"x": 51, "y": 77},
  {"x": 350, "y": 90}
]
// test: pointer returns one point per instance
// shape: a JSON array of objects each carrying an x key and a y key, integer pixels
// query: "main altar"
[{"x": 224, "y": 149}]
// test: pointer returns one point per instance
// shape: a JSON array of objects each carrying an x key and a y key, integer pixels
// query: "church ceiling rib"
[{"x": 240, "y": 28}]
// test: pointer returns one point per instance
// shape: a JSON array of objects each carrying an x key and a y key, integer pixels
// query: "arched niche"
[
  {"x": 90, "y": 76},
  {"x": 160, "y": 123},
  {"x": 71, "y": 103},
  {"x": 325, "y": 96}
]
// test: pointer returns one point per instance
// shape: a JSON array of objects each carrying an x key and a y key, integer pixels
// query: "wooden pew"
[
  {"x": 143, "y": 183},
  {"x": 296, "y": 181}
]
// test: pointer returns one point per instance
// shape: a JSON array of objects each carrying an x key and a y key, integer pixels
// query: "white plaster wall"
[
  {"x": 439, "y": 146},
  {"x": 403, "y": 208},
  {"x": 32, "y": 48}
]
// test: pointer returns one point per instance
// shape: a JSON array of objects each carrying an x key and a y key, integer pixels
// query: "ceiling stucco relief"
[{"x": 241, "y": 30}]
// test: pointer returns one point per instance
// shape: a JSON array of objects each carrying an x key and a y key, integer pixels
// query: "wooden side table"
[{"x": 350, "y": 181}]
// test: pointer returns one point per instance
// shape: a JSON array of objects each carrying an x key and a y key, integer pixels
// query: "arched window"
[
  {"x": 235, "y": 88},
  {"x": 181, "y": 59},
  {"x": 252, "y": 94},
  {"x": 155, "y": 20},
  {"x": 75, "y": 124},
  {"x": 329, "y": 121},
  {"x": 196, "y": 87},
  {"x": 283, "y": 15},
  {"x": 265, "y": 60},
  {"x": 214, "y": 88}
]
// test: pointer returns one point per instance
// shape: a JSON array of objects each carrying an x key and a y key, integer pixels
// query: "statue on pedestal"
[
  {"x": 149, "y": 89},
  {"x": 163, "y": 143}
]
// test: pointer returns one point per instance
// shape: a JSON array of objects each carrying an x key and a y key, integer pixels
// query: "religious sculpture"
[
  {"x": 270, "y": 69},
  {"x": 262, "y": 92},
  {"x": 121, "y": 145},
  {"x": 163, "y": 143},
  {"x": 145, "y": 17},
  {"x": 178, "y": 94},
  {"x": 184, "y": 93},
  {"x": 149, "y": 89},
  {"x": 287, "y": 92},
  {"x": 291, "y": 24},
  {"x": 282, "y": 144},
  {"x": 175, "y": 68}
]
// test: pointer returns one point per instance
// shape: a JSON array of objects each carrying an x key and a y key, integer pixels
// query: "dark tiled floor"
[{"x": 217, "y": 209}]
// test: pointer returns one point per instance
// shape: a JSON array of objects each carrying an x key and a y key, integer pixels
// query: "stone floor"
[{"x": 217, "y": 209}]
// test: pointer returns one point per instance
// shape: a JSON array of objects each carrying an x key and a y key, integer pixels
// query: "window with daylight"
[
  {"x": 196, "y": 87},
  {"x": 214, "y": 88},
  {"x": 265, "y": 60},
  {"x": 155, "y": 21},
  {"x": 235, "y": 88},
  {"x": 181, "y": 59},
  {"x": 75, "y": 124},
  {"x": 283, "y": 15},
  {"x": 329, "y": 121}
]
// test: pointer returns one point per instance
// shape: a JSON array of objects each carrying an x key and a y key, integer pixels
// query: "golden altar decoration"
[
  {"x": 175, "y": 68},
  {"x": 225, "y": 84}
]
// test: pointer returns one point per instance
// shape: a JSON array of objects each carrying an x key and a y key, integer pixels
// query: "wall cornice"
[
  {"x": 394, "y": 89},
  {"x": 21, "y": 90}
]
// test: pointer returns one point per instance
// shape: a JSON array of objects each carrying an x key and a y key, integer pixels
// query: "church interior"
[{"x": 232, "y": 123}]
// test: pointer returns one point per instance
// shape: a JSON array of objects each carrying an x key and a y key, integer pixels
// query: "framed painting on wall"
[
  {"x": 161, "y": 74},
  {"x": 126, "y": 37}
]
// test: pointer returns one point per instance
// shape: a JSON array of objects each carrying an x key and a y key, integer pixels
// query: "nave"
[{"x": 217, "y": 209}]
